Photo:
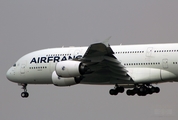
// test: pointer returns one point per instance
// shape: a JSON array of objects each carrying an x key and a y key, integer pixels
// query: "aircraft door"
[
  {"x": 76, "y": 53},
  {"x": 165, "y": 63},
  {"x": 22, "y": 68},
  {"x": 149, "y": 51}
]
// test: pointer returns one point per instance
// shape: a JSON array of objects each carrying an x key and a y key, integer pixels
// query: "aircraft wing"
[{"x": 103, "y": 66}]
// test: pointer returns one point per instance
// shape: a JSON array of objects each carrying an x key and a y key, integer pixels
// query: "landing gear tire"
[
  {"x": 131, "y": 92},
  {"x": 120, "y": 89},
  {"x": 113, "y": 92},
  {"x": 143, "y": 90},
  {"x": 149, "y": 91},
  {"x": 116, "y": 90},
  {"x": 24, "y": 94},
  {"x": 157, "y": 90}
]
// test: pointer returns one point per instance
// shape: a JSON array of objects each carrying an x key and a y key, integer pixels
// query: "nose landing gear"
[{"x": 24, "y": 94}]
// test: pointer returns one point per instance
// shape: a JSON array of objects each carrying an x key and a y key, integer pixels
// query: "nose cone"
[{"x": 9, "y": 75}]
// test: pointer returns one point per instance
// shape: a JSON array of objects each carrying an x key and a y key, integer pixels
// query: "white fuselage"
[{"x": 152, "y": 63}]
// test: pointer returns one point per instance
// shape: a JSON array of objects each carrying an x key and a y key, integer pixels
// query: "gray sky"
[{"x": 27, "y": 26}]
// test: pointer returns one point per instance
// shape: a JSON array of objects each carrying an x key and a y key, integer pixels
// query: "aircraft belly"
[{"x": 150, "y": 75}]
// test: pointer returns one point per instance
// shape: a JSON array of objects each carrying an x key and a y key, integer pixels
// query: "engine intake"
[{"x": 70, "y": 68}]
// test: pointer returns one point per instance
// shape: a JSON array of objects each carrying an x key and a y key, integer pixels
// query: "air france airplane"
[{"x": 135, "y": 67}]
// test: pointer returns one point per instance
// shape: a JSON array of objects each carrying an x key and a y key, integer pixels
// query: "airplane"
[{"x": 132, "y": 67}]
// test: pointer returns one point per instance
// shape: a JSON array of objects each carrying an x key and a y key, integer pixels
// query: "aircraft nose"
[{"x": 9, "y": 75}]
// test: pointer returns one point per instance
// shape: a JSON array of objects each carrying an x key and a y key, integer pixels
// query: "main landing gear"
[
  {"x": 24, "y": 94},
  {"x": 140, "y": 90},
  {"x": 143, "y": 90},
  {"x": 117, "y": 89}
]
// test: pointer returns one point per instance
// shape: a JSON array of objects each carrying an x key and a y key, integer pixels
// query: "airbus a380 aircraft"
[{"x": 135, "y": 67}]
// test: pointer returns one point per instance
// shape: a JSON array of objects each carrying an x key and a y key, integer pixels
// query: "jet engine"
[
  {"x": 70, "y": 69},
  {"x": 67, "y": 81}
]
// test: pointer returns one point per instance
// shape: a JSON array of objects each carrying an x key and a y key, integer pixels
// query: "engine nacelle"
[
  {"x": 60, "y": 81},
  {"x": 70, "y": 68}
]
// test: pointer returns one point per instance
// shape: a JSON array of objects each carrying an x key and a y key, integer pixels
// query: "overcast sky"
[{"x": 29, "y": 25}]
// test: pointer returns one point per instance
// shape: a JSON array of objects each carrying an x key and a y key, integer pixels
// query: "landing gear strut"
[
  {"x": 117, "y": 89},
  {"x": 24, "y": 94}
]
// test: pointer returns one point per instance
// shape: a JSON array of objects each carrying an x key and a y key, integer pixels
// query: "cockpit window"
[{"x": 14, "y": 65}]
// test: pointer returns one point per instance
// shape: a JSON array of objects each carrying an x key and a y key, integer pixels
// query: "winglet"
[{"x": 106, "y": 41}]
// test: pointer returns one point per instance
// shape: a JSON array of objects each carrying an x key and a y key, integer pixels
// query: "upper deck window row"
[
  {"x": 54, "y": 55},
  {"x": 126, "y": 52}
]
